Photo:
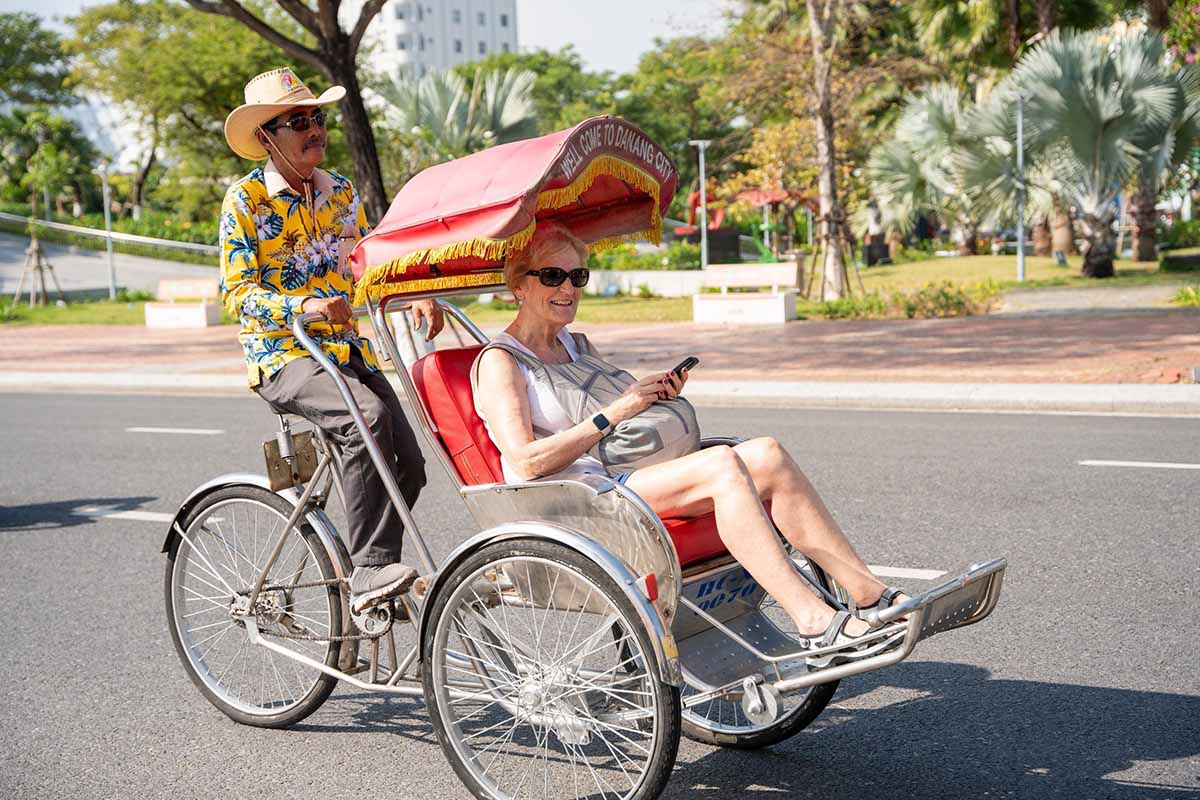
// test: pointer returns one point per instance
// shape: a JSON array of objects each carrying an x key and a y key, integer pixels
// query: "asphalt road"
[{"x": 1082, "y": 685}]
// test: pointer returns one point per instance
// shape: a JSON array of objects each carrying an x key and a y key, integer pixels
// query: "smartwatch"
[{"x": 601, "y": 422}]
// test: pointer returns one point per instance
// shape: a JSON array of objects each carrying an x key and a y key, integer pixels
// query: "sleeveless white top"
[{"x": 545, "y": 413}]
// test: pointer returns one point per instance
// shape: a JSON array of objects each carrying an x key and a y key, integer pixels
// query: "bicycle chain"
[{"x": 312, "y": 637}]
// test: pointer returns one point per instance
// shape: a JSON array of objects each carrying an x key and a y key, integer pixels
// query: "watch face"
[{"x": 600, "y": 421}]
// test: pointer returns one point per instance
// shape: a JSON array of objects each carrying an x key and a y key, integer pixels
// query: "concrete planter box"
[
  {"x": 182, "y": 315},
  {"x": 745, "y": 308},
  {"x": 662, "y": 282}
]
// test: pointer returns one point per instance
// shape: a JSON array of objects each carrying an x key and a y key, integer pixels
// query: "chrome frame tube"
[
  {"x": 383, "y": 329},
  {"x": 381, "y": 465},
  {"x": 263, "y": 641},
  {"x": 297, "y": 512}
]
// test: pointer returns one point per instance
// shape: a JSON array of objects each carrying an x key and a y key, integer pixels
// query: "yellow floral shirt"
[{"x": 276, "y": 253}]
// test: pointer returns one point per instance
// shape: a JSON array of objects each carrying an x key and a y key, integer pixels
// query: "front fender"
[
  {"x": 315, "y": 516},
  {"x": 666, "y": 657}
]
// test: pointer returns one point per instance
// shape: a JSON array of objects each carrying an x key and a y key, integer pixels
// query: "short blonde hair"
[{"x": 547, "y": 237}]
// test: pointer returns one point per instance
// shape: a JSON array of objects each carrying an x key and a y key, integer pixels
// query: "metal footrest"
[{"x": 962, "y": 601}]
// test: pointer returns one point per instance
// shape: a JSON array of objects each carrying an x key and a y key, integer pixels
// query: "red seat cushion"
[{"x": 443, "y": 381}]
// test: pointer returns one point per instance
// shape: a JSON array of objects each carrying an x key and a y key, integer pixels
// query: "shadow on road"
[
  {"x": 63, "y": 513},
  {"x": 961, "y": 734}
]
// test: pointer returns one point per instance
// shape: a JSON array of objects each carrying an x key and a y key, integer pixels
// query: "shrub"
[
  {"x": 678, "y": 255},
  {"x": 944, "y": 299},
  {"x": 1181, "y": 234},
  {"x": 1187, "y": 296},
  {"x": 1179, "y": 263}
]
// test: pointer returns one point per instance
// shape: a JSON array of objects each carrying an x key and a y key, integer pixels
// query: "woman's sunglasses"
[
  {"x": 554, "y": 276},
  {"x": 299, "y": 124}
]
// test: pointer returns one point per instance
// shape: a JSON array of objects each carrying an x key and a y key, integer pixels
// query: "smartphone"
[{"x": 687, "y": 363}]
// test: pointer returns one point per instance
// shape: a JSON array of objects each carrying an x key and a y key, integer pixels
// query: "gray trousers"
[{"x": 302, "y": 387}]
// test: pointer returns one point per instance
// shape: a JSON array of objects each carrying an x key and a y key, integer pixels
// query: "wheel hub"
[{"x": 539, "y": 702}]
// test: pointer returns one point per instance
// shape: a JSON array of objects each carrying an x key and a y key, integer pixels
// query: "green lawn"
[
  {"x": 94, "y": 312},
  {"x": 1039, "y": 271}
]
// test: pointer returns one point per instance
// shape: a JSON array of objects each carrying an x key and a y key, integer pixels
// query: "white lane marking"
[
  {"x": 1139, "y": 464},
  {"x": 107, "y": 513},
  {"x": 905, "y": 572},
  {"x": 192, "y": 431}
]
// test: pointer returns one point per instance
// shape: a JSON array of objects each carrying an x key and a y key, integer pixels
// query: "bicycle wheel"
[
  {"x": 723, "y": 723},
  {"x": 230, "y": 535},
  {"x": 527, "y": 688}
]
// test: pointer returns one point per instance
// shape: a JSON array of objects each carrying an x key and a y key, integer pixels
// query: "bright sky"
[{"x": 610, "y": 34}]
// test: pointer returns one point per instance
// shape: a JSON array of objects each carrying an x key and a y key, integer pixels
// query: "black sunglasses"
[
  {"x": 299, "y": 124},
  {"x": 554, "y": 276}
]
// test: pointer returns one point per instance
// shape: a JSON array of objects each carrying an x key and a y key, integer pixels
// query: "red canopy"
[{"x": 453, "y": 224}]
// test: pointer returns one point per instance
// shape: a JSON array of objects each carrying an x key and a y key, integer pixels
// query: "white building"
[{"x": 415, "y": 36}]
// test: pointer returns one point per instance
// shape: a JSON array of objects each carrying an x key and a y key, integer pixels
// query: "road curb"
[{"x": 1174, "y": 399}]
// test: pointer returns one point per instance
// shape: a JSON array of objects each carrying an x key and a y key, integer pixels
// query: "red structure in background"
[{"x": 715, "y": 221}]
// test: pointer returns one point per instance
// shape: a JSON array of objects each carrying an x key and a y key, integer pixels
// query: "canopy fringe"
[
  {"x": 381, "y": 275},
  {"x": 378, "y": 291}
]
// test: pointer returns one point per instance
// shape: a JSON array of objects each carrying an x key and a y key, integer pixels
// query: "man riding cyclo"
[{"x": 286, "y": 232}]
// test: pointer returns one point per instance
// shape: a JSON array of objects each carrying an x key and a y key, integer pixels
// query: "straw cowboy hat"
[{"x": 267, "y": 96}]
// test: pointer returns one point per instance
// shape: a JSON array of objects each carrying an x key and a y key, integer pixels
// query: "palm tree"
[
  {"x": 1096, "y": 111},
  {"x": 915, "y": 171},
  {"x": 457, "y": 120}
]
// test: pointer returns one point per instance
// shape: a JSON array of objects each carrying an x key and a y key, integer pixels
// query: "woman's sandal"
[
  {"x": 886, "y": 600},
  {"x": 836, "y": 635}
]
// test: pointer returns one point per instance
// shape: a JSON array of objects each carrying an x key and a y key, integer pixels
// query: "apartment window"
[
  {"x": 421, "y": 43},
  {"x": 482, "y": 49},
  {"x": 504, "y": 46},
  {"x": 456, "y": 16},
  {"x": 399, "y": 12},
  {"x": 401, "y": 44},
  {"x": 504, "y": 20},
  {"x": 458, "y": 45},
  {"x": 482, "y": 18},
  {"x": 420, "y": 16}
]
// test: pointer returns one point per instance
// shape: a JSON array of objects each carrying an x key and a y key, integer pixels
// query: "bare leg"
[
  {"x": 715, "y": 479},
  {"x": 803, "y": 518}
]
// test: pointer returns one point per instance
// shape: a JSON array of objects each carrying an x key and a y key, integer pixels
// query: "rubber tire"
[
  {"x": 783, "y": 728},
  {"x": 324, "y": 685},
  {"x": 662, "y": 763}
]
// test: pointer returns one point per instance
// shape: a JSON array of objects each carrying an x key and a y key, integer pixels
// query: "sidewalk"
[
  {"x": 1111, "y": 362},
  {"x": 86, "y": 271}
]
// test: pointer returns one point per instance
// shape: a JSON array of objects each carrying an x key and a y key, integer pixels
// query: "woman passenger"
[{"x": 732, "y": 482}]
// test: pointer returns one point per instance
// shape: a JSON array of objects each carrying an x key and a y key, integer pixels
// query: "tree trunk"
[
  {"x": 1014, "y": 28},
  {"x": 368, "y": 178},
  {"x": 1047, "y": 14},
  {"x": 821, "y": 15},
  {"x": 1144, "y": 218},
  {"x": 1159, "y": 12},
  {"x": 969, "y": 237},
  {"x": 139, "y": 182},
  {"x": 1043, "y": 242},
  {"x": 1064, "y": 231},
  {"x": 1099, "y": 246}
]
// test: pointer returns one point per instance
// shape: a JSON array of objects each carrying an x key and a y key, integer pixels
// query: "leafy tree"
[
  {"x": 456, "y": 120},
  {"x": 980, "y": 40},
  {"x": 1096, "y": 109},
  {"x": 916, "y": 171},
  {"x": 564, "y": 93},
  {"x": 130, "y": 52},
  {"x": 32, "y": 67},
  {"x": 326, "y": 47},
  {"x": 40, "y": 152}
]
